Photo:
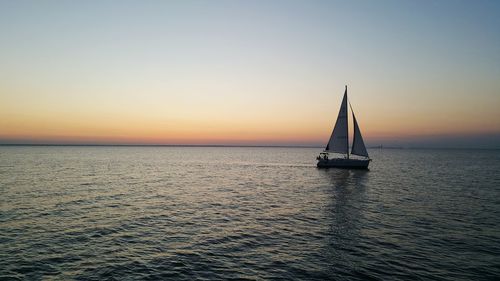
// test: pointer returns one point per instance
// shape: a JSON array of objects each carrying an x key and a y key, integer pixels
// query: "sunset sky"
[{"x": 249, "y": 72}]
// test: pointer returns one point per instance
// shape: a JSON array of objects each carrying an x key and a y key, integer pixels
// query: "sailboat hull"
[{"x": 344, "y": 163}]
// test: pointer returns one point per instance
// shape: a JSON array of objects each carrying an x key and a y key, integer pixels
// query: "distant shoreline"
[
  {"x": 236, "y": 146},
  {"x": 162, "y": 145}
]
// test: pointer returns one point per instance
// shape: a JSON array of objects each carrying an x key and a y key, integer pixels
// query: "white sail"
[
  {"x": 358, "y": 145},
  {"x": 339, "y": 141}
]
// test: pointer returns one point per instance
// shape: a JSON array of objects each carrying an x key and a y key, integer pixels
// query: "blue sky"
[{"x": 265, "y": 72}]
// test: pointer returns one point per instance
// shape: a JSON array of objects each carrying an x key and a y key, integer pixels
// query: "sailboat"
[{"x": 339, "y": 143}]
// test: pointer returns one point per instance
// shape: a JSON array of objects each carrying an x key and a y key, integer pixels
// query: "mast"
[{"x": 347, "y": 121}]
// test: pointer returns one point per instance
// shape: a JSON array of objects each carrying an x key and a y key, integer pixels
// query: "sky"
[{"x": 419, "y": 73}]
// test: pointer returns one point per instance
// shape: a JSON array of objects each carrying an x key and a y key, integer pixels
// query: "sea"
[{"x": 246, "y": 213}]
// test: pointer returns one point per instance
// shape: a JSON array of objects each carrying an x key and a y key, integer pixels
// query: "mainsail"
[
  {"x": 358, "y": 145},
  {"x": 339, "y": 141}
]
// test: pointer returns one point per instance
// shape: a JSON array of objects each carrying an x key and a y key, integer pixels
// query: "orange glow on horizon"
[{"x": 191, "y": 132}]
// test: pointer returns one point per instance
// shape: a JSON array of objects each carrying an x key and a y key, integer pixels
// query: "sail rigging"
[
  {"x": 358, "y": 145},
  {"x": 339, "y": 140},
  {"x": 339, "y": 143}
]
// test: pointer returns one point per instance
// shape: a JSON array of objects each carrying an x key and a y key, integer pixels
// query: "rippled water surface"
[{"x": 184, "y": 213}]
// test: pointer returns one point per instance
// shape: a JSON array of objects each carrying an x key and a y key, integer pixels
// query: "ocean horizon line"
[
  {"x": 158, "y": 145},
  {"x": 238, "y": 145}
]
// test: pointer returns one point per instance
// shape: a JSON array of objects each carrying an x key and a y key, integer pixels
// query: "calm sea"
[{"x": 184, "y": 213}]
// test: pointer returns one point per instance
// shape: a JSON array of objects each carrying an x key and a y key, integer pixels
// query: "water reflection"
[{"x": 345, "y": 212}]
